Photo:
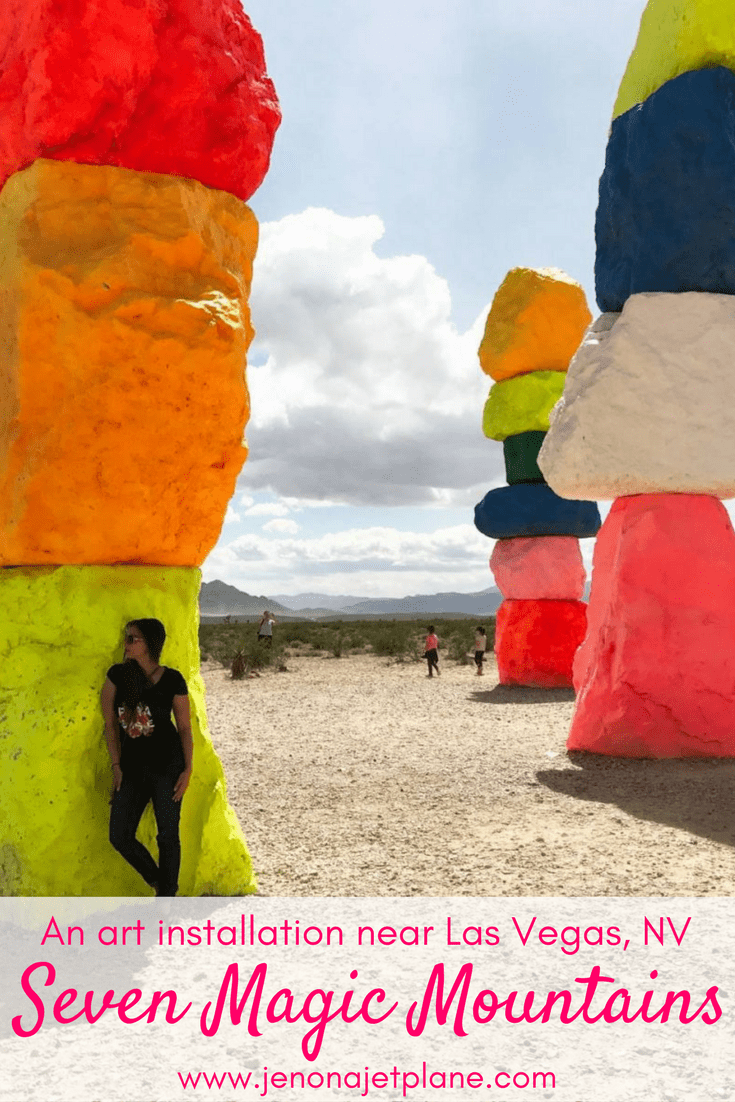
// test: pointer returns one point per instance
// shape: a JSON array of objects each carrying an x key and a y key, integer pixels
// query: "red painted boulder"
[
  {"x": 535, "y": 642},
  {"x": 170, "y": 86},
  {"x": 655, "y": 677},
  {"x": 548, "y": 567}
]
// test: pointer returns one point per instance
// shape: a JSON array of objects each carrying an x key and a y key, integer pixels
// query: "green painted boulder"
[{"x": 521, "y": 457}]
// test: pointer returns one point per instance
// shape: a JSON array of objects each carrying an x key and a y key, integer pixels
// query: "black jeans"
[
  {"x": 432, "y": 658},
  {"x": 128, "y": 804}
]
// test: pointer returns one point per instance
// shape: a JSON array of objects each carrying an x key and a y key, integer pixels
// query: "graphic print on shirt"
[{"x": 139, "y": 723}]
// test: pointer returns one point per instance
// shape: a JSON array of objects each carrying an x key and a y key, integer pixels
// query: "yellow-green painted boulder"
[
  {"x": 676, "y": 36},
  {"x": 61, "y": 628},
  {"x": 522, "y": 404}
]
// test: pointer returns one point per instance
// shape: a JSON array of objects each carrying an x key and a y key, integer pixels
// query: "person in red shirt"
[{"x": 431, "y": 651}]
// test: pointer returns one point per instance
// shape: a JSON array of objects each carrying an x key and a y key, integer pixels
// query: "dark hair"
[
  {"x": 134, "y": 681},
  {"x": 154, "y": 634},
  {"x": 481, "y": 631},
  {"x": 431, "y": 628}
]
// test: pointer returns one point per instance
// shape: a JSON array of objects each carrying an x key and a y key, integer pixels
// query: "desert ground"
[{"x": 356, "y": 777}]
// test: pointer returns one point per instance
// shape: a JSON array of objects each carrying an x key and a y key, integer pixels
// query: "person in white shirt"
[{"x": 265, "y": 629}]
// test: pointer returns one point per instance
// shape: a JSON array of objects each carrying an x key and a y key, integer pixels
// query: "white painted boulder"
[{"x": 648, "y": 402}]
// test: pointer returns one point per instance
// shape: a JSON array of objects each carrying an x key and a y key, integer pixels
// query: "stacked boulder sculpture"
[
  {"x": 130, "y": 138},
  {"x": 646, "y": 413},
  {"x": 535, "y": 323}
]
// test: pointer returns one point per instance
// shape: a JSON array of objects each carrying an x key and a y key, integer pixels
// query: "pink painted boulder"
[
  {"x": 655, "y": 677},
  {"x": 177, "y": 87},
  {"x": 535, "y": 642},
  {"x": 541, "y": 567}
]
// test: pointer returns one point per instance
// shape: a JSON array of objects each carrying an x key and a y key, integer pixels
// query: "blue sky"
[{"x": 425, "y": 150}]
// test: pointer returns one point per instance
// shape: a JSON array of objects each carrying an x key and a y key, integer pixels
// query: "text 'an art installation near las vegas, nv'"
[
  {"x": 535, "y": 323},
  {"x": 646, "y": 415},
  {"x": 130, "y": 138}
]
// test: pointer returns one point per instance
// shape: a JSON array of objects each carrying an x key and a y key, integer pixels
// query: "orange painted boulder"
[
  {"x": 535, "y": 641},
  {"x": 123, "y": 331},
  {"x": 541, "y": 567},
  {"x": 171, "y": 86},
  {"x": 536, "y": 323},
  {"x": 654, "y": 676}
]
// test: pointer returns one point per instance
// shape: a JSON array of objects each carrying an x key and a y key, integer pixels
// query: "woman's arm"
[
  {"x": 112, "y": 729},
  {"x": 183, "y": 726}
]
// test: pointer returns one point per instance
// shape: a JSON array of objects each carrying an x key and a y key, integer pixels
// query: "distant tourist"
[
  {"x": 265, "y": 629},
  {"x": 151, "y": 755},
  {"x": 480, "y": 648},
  {"x": 431, "y": 651}
]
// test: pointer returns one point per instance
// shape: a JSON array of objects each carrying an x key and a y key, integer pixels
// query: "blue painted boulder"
[
  {"x": 533, "y": 509},
  {"x": 666, "y": 215}
]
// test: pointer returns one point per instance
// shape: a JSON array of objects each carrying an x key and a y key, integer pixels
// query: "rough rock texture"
[
  {"x": 521, "y": 457},
  {"x": 60, "y": 631},
  {"x": 170, "y": 86},
  {"x": 674, "y": 37},
  {"x": 666, "y": 215},
  {"x": 123, "y": 331},
  {"x": 655, "y": 674},
  {"x": 533, "y": 509},
  {"x": 647, "y": 406},
  {"x": 548, "y": 567},
  {"x": 522, "y": 404},
  {"x": 535, "y": 323},
  {"x": 535, "y": 641}
]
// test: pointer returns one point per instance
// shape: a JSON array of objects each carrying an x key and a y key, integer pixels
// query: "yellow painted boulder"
[
  {"x": 536, "y": 323},
  {"x": 60, "y": 631},
  {"x": 123, "y": 332},
  {"x": 522, "y": 404},
  {"x": 676, "y": 36}
]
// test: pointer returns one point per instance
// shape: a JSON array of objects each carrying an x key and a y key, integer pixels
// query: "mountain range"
[{"x": 217, "y": 599}]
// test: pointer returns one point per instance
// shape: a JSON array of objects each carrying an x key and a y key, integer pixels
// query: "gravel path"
[{"x": 355, "y": 777}]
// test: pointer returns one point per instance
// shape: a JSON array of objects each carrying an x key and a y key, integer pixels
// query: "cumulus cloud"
[
  {"x": 367, "y": 395},
  {"x": 287, "y": 527},
  {"x": 378, "y": 559},
  {"x": 268, "y": 509}
]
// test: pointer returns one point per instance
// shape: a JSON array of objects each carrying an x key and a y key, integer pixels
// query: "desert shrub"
[
  {"x": 220, "y": 642},
  {"x": 402, "y": 639},
  {"x": 394, "y": 639},
  {"x": 236, "y": 647}
]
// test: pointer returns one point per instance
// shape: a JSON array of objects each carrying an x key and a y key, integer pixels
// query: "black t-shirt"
[{"x": 160, "y": 749}]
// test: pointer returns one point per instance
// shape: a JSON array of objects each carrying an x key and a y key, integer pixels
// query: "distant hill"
[
  {"x": 484, "y": 603},
  {"x": 320, "y": 601},
  {"x": 219, "y": 599}
]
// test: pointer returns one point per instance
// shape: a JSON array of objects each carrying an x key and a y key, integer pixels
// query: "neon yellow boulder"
[
  {"x": 675, "y": 37},
  {"x": 61, "y": 628},
  {"x": 522, "y": 404}
]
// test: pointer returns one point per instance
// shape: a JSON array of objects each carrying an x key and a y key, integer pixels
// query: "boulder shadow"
[
  {"x": 521, "y": 694},
  {"x": 689, "y": 794}
]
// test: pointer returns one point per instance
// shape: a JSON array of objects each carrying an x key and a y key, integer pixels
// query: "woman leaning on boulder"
[{"x": 151, "y": 755}]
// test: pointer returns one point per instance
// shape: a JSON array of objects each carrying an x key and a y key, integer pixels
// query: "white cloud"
[
  {"x": 368, "y": 394},
  {"x": 231, "y": 516},
  {"x": 373, "y": 561},
  {"x": 267, "y": 509},
  {"x": 287, "y": 527}
]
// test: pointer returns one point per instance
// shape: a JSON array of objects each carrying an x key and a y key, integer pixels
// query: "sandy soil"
[{"x": 355, "y": 776}]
